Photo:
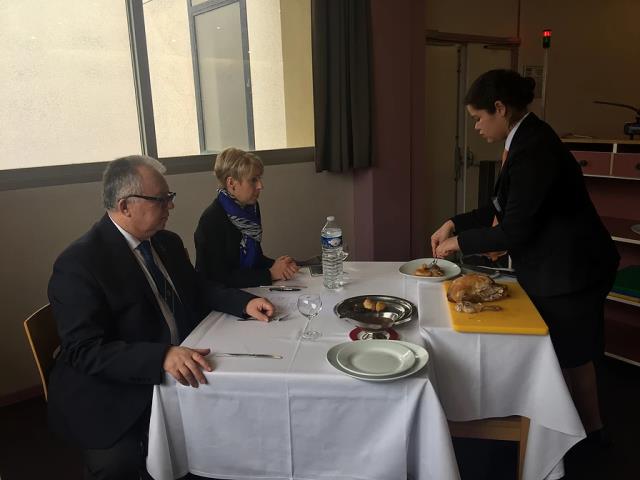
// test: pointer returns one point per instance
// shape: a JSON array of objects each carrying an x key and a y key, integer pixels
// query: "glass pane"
[
  {"x": 222, "y": 78},
  {"x": 171, "y": 74},
  {"x": 279, "y": 33},
  {"x": 272, "y": 93},
  {"x": 66, "y": 84}
]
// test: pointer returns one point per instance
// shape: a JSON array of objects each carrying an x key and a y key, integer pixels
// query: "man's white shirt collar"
[{"x": 131, "y": 240}]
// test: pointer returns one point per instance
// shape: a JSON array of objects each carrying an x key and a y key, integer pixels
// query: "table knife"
[
  {"x": 282, "y": 286},
  {"x": 254, "y": 355},
  {"x": 483, "y": 269}
]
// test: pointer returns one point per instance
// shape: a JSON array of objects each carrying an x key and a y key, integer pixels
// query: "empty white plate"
[
  {"x": 450, "y": 269},
  {"x": 375, "y": 358},
  {"x": 421, "y": 359}
]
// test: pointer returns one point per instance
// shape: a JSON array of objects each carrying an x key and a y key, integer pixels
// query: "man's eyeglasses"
[{"x": 164, "y": 200}]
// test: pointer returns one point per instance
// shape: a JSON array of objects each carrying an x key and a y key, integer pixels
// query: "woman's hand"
[
  {"x": 442, "y": 234},
  {"x": 447, "y": 247},
  {"x": 495, "y": 255},
  {"x": 283, "y": 268}
]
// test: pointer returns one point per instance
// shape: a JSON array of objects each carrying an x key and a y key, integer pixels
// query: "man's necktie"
[{"x": 164, "y": 287}]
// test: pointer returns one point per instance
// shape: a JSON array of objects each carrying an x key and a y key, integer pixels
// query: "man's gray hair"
[{"x": 122, "y": 178}]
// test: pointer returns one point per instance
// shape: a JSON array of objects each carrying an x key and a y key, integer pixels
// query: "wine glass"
[{"x": 309, "y": 306}]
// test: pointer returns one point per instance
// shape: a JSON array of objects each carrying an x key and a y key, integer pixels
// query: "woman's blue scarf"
[{"x": 247, "y": 220}]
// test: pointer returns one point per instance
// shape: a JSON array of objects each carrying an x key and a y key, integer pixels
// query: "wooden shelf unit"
[
  {"x": 607, "y": 158},
  {"x": 620, "y": 228},
  {"x": 612, "y": 171},
  {"x": 622, "y": 300}
]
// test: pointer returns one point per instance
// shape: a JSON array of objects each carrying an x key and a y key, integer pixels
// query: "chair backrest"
[{"x": 44, "y": 340}]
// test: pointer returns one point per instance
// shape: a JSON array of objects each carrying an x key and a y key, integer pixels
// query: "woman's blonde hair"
[{"x": 237, "y": 164}]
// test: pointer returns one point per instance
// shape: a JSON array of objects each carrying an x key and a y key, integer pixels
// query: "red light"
[{"x": 546, "y": 33}]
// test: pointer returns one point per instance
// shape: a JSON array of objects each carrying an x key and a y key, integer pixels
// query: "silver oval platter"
[{"x": 396, "y": 311}]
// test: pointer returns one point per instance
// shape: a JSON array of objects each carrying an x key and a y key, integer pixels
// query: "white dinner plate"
[
  {"x": 375, "y": 358},
  {"x": 450, "y": 269},
  {"x": 422, "y": 357}
]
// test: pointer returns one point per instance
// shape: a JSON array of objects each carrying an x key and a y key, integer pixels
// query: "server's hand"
[
  {"x": 441, "y": 235},
  {"x": 447, "y": 247}
]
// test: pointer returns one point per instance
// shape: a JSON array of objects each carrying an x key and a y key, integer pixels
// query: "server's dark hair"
[{"x": 507, "y": 86}]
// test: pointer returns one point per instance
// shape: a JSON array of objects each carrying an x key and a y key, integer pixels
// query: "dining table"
[{"x": 298, "y": 417}]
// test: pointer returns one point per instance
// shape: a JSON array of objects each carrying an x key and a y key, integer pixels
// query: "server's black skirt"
[{"x": 576, "y": 322}]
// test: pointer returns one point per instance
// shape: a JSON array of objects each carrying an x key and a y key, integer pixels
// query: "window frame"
[{"x": 33, "y": 177}]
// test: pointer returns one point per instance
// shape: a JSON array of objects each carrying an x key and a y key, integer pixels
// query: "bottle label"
[{"x": 331, "y": 242}]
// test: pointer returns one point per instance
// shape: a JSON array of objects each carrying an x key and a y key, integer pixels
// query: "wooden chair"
[
  {"x": 43, "y": 338},
  {"x": 513, "y": 429}
]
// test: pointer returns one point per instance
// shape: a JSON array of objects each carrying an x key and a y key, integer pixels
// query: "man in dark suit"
[{"x": 124, "y": 296}]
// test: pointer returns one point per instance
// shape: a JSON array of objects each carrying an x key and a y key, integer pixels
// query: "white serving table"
[
  {"x": 480, "y": 376},
  {"x": 299, "y": 418}
]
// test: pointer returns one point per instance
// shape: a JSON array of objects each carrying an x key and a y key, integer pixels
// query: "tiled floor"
[{"x": 28, "y": 451}]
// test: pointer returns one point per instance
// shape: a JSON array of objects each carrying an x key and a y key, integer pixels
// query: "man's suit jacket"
[
  {"x": 217, "y": 243},
  {"x": 547, "y": 221},
  {"x": 114, "y": 336}
]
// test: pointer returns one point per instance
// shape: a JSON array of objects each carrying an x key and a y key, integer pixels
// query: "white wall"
[{"x": 38, "y": 223}]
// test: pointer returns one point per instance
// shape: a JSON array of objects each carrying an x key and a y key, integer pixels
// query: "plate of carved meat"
[{"x": 427, "y": 269}]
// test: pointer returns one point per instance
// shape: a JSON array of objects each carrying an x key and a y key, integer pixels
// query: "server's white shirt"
[{"x": 507, "y": 143}]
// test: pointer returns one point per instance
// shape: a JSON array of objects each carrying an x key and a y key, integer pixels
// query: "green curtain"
[{"x": 341, "y": 44}]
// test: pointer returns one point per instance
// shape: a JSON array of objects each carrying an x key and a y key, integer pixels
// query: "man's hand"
[
  {"x": 447, "y": 247},
  {"x": 260, "y": 309},
  {"x": 440, "y": 235},
  {"x": 283, "y": 268},
  {"x": 186, "y": 364}
]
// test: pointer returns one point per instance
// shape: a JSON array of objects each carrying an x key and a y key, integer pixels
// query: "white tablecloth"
[
  {"x": 299, "y": 418},
  {"x": 493, "y": 375}
]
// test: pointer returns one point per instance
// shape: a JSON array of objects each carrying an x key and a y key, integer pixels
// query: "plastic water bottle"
[{"x": 332, "y": 256}]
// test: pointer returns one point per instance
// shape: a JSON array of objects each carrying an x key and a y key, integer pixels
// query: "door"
[
  {"x": 454, "y": 180},
  {"x": 441, "y": 126},
  {"x": 480, "y": 154}
]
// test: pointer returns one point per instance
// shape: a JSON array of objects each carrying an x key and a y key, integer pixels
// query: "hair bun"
[
  {"x": 528, "y": 88},
  {"x": 528, "y": 84}
]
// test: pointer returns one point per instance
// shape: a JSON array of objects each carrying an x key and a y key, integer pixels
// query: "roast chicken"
[
  {"x": 470, "y": 307},
  {"x": 475, "y": 288}
]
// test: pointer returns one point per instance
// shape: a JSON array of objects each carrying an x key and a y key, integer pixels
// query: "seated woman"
[{"x": 229, "y": 232}]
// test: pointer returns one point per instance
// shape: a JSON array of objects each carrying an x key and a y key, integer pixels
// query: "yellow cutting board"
[{"x": 518, "y": 315}]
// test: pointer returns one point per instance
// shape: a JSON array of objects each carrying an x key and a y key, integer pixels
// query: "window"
[
  {"x": 67, "y": 93},
  {"x": 230, "y": 72},
  {"x": 223, "y": 76},
  {"x": 88, "y": 82}
]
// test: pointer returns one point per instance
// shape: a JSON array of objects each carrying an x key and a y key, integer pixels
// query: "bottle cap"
[{"x": 330, "y": 218}]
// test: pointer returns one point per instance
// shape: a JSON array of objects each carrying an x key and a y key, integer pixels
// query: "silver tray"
[{"x": 397, "y": 312}]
